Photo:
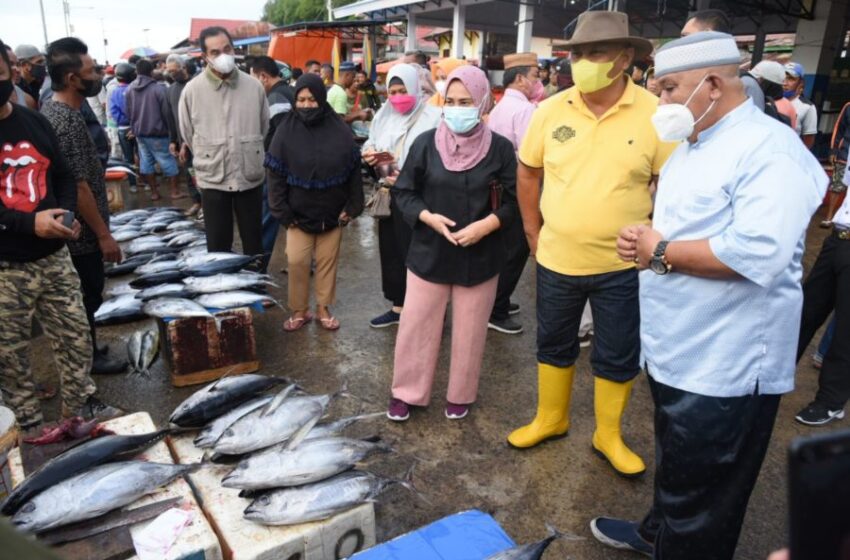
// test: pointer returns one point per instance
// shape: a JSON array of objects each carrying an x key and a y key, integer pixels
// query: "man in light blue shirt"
[{"x": 720, "y": 303}]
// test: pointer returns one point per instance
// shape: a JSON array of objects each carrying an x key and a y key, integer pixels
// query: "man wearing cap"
[
  {"x": 807, "y": 115},
  {"x": 720, "y": 297},
  {"x": 33, "y": 69},
  {"x": 510, "y": 118},
  {"x": 596, "y": 152},
  {"x": 338, "y": 95},
  {"x": 771, "y": 76}
]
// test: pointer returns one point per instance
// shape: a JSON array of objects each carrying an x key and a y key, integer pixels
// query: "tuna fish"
[
  {"x": 172, "y": 289},
  {"x": 182, "y": 224},
  {"x": 121, "y": 309},
  {"x": 312, "y": 461},
  {"x": 320, "y": 500},
  {"x": 142, "y": 349},
  {"x": 210, "y": 434},
  {"x": 220, "y": 397},
  {"x": 185, "y": 238},
  {"x": 533, "y": 551},
  {"x": 127, "y": 266},
  {"x": 168, "y": 307},
  {"x": 207, "y": 264},
  {"x": 281, "y": 420},
  {"x": 77, "y": 459},
  {"x": 153, "y": 266},
  {"x": 120, "y": 289},
  {"x": 95, "y": 492},
  {"x": 235, "y": 298},
  {"x": 127, "y": 234},
  {"x": 157, "y": 278},
  {"x": 336, "y": 427},
  {"x": 227, "y": 282}
]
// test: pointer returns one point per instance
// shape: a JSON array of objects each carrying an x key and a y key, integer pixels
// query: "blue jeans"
[
  {"x": 826, "y": 341},
  {"x": 616, "y": 321},
  {"x": 270, "y": 228},
  {"x": 153, "y": 150}
]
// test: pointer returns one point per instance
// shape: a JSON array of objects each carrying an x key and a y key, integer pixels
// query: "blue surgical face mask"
[{"x": 461, "y": 120}]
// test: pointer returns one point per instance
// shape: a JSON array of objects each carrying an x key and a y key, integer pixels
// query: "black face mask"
[
  {"x": 38, "y": 72},
  {"x": 6, "y": 89},
  {"x": 90, "y": 87},
  {"x": 311, "y": 115}
]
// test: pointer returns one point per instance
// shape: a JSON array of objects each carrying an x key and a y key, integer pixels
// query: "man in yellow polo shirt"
[{"x": 597, "y": 152}]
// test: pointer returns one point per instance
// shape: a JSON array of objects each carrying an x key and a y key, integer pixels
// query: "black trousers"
[
  {"x": 827, "y": 288},
  {"x": 393, "y": 242},
  {"x": 708, "y": 453},
  {"x": 92, "y": 279},
  {"x": 517, "y": 256},
  {"x": 219, "y": 209}
]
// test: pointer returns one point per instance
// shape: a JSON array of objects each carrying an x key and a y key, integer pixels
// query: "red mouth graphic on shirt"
[{"x": 23, "y": 176}]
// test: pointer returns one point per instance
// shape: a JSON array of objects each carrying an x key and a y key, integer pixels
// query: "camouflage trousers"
[{"x": 48, "y": 289}]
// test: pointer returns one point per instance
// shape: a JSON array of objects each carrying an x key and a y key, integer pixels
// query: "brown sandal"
[
  {"x": 329, "y": 323},
  {"x": 294, "y": 323}
]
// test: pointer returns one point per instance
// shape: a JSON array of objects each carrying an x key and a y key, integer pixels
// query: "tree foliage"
[{"x": 284, "y": 12}]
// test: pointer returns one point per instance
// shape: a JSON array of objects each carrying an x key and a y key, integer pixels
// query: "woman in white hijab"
[{"x": 396, "y": 125}]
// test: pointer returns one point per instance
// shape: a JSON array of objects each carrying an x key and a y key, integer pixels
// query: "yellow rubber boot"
[
  {"x": 554, "y": 389},
  {"x": 609, "y": 401}
]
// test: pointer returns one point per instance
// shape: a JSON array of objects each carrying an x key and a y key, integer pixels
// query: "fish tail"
[
  {"x": 407, "y": 482},
  {"x": 554, "y": 534}
]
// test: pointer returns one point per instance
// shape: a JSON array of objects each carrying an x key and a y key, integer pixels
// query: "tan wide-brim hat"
[{"x": 604, "y": 26}]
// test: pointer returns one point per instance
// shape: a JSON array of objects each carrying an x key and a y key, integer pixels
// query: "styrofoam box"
[
  {"x": 241, "y": 539},
  {"x": 196, "y": 539}
]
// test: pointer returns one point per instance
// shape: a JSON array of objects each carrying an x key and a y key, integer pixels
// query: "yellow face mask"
[{"x": 593, "y": 76}]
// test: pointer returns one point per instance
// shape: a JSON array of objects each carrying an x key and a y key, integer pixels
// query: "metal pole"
[
  {"x": 330, "y": 6},
  {"x": 105, "y": 43},
  {"x": 67, "y": 9},
  {"x": 43, "y": 23}
]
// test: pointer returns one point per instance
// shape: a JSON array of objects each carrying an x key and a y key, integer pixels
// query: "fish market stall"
[
  {"x": 197, "y": 539},
  {"x": 241, "y": 539}
]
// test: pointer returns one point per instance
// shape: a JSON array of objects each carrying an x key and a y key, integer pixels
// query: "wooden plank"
[
  {"x": 213, "y": 374},
  {"x": 116, "y": 544},
  {"x": 107, "y": 522}
]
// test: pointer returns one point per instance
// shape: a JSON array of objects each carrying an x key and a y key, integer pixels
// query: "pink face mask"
[
  {"x": 403, "y": 103},
  {"x": 538, "y": 92}
]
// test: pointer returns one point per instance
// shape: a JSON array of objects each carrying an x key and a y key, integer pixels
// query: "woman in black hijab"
[{"x": 314, "y": 188}]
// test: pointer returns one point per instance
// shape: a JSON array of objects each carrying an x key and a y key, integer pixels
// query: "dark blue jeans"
[
  {"x": 616, "y": 321},
  {"x": 270, "y": 227},
  {"x": 128, "y": 149}
]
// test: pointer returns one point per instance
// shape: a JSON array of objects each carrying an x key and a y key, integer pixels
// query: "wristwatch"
[{"x": 658, "y": 263}]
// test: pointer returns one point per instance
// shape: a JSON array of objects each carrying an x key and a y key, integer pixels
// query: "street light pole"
[
  {"x": 43, "y": 23},
  {"x": 105, "y": 42},
  {"x": 147, "y": 40}
]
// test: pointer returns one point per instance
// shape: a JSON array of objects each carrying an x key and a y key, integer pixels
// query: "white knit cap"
[
  {"x": 769, "y": 70},
  {"x": 699, "y": 50}
]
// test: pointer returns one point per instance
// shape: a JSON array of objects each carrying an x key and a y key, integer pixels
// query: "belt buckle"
[{"x": 843, "y": 234}]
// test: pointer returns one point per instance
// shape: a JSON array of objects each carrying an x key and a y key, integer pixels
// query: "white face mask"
[
  {"x": 441, "y": 87},
  {"x": 674, "y": 122},
  {"x": 224, "y": 63}
]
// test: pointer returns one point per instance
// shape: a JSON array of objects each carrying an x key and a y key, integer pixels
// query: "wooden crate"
[
  {"x": 197, "y": 352},
  {"x": 337, "y": 537},
  {"x": 198, "y": 540}
]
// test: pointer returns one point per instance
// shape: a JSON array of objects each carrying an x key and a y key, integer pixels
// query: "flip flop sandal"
[
  {"x": 156, "y": 196},
  {"x": 294, "y": 323},
  {"x": 329, "y": 323}
]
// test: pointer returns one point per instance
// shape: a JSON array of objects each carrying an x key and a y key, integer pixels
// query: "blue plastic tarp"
[{"x": 469, "y": 535}]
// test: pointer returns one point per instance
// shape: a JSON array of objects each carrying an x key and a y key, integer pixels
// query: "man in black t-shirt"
[
  {"x": 73, "y": 79},
  {"x": 37, "y": 278}
]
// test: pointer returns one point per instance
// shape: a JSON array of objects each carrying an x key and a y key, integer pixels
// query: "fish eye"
[
  {"x": 264, "y": 500},
  {"x": 228, "y": 432},
  {"x": 28, "y": 508}
]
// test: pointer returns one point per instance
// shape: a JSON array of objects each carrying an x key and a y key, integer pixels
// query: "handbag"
[{"x": 378, "y": 205}]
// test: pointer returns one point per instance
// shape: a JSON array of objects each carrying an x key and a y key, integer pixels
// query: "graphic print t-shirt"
[{"x": 33, "y": 177}]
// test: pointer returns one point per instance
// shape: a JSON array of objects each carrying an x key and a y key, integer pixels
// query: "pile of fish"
[
  {"x": 167, "y": 254},
  {"x": 292, "y": 467},
  {"x": 88, "y": 480}
]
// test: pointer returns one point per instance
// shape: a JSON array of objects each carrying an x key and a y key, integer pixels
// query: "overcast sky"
[{"x": 121, "y": 21}]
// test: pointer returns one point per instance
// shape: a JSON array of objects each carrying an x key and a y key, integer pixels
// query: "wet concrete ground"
[{"x": 467, "y": 464}]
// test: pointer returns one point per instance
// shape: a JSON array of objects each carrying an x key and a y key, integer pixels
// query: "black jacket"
[{"x": 464, "y": 197}]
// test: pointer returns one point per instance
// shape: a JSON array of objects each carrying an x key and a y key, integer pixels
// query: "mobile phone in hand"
[{"x": 68, "y": 219}]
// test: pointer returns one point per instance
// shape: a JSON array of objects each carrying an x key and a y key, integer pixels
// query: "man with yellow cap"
[{"x": 597, "y": 153}]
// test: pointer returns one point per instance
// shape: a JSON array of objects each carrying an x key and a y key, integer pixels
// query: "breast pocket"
[
  {"x": 252, "y": 157},
  {"x": 699, "y": 206},
  {"x": 208, "y": 160}
]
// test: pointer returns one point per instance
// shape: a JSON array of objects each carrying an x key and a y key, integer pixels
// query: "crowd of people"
[{"x": 653, "y": 220}]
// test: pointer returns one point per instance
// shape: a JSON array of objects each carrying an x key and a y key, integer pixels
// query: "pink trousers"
[{"x": 421, "y": 330}]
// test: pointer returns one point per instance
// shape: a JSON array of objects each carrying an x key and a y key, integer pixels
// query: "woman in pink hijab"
[{"x": 457, "y": 190}]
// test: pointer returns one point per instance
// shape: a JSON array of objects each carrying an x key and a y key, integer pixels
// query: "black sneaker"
[
  {"x": 513, "y": 308},
  {"x": 504, "y": 326},
  {"x": 620, "y": 534},
  {"x": 104, "y": 365},
  {"x": 386, "y": 320},
  {"x": 817, "y": 414},
  {"x": 95, "y": 408}
]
